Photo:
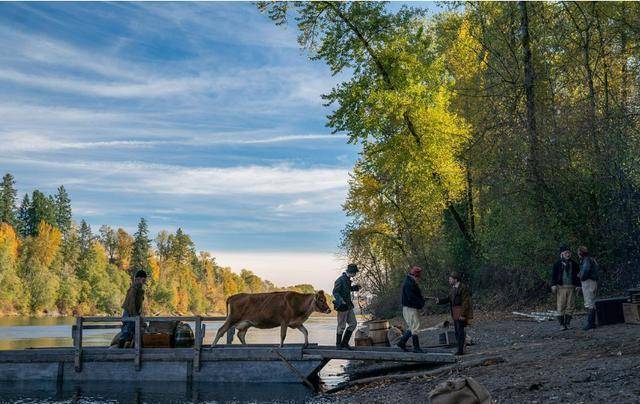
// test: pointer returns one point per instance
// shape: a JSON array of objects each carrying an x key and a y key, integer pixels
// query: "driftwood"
[{"x": 487, "y": 361}]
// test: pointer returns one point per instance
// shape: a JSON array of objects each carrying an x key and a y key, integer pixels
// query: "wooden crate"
[
  {"x": 379, "y": 336},
  {"x": 366, "y": 341},
  {"x": 631, "y": 313},
  {"x": 377, "y": 325},
  {"x": 156, "y": 340}
]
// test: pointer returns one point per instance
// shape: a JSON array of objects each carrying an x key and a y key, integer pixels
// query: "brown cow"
[{"x": 270, "y": 310}]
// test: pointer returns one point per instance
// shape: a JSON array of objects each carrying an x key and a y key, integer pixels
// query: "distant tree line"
[
  {"x": 491, "y": 133},
  {"x": 49, "y": 264}
]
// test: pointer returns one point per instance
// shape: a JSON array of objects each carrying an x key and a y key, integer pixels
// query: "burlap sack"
[{"x": 464, "y": 390}]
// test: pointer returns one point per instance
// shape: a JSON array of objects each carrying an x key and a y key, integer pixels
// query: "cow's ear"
[{"x": 320, "y": 292}]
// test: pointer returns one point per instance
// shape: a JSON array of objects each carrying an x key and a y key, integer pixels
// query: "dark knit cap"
[
  {"x": 352, "y": 268},
  {"x": 563, "y": 248},
  {"x": 141, "y": 274}
]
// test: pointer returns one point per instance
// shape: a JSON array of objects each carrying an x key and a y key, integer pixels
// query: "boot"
[
  {"x": 402, "y": 344},
  {"x": 416, "y": 344},
  {"x": 345, "y": 339},
  {"x": 339, "y": 341},
  {"x": 567, "y": 321},
  {"x": 591, "y": 320},
  {"x": 561, "y": 321}
]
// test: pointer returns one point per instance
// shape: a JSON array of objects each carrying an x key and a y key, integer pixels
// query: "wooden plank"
[
  {"x": 294, "y": 370},
  {"x": 197, "y": 345},
  {"x": 97, "y": 327},
  {"x": 138, "y": 344},
  {"x": 382, "y": 356},
  {"x": 78, "y": 358},
  {"x": 428, "y": 349}
]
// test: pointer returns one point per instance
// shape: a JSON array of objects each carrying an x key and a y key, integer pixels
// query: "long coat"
[{"x": 459, "y": 297}]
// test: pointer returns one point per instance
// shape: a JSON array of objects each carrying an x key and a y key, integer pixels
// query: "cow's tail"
[{"x": 227, "y": 305}]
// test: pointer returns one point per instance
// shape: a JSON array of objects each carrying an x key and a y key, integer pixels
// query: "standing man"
[
  {"x": 132, "y": 306},
  {"x": 342, "y": 289},
  {"x": 589, "y": 279},
  {"x": 565, "y": 284},
  {"x": 459, "y": 300},
  {"x": 412, "y": 301}
]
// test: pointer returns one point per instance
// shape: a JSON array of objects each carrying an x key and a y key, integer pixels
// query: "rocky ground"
[{"x": 541, "y": 365}]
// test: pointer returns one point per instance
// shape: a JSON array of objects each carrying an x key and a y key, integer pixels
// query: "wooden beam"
[
  {"x": 382, "y": 355},
  {"x": 138, "y": 343},
  {"x": 78, "y": 343},
  {"x": 294, "y": 370},
  {"x": 197, "y": 345}
]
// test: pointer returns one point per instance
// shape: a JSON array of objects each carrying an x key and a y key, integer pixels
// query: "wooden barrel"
[
  {"x": 184, "y": 336},
  {"x": 377, "y": 325},
  {"x": 378, "y": 337}
]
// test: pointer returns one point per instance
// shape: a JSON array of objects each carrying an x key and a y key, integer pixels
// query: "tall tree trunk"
[{"x": 534, "y": 171}]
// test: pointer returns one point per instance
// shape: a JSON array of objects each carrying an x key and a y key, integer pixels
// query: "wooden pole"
[
  {"x": 138, "y": 343},
  {"x": 197, "y": 345},
  {"x": 78, "y": 343}
]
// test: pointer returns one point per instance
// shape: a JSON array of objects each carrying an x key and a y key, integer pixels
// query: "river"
[{"x": 27, "y": 332}]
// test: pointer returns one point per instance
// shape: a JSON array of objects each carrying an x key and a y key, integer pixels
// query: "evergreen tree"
[
  {"x": 85, "y": 237},
  {"x": 42, "y": 209},
  {"x": 63, "y": 210},
  {"x": 24, "y": 224},
  {"x": 141, "y": 246},
  {"x": 8, "y": 200}
]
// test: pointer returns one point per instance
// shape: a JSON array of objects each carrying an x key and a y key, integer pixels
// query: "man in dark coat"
[
  {"x": 132, "y": 306},
  {"x": 343, "y": 304},
  {"x": 565, "y": 284},
  {"x": 412, "y": 302},
  {"x": 459, "y": 300}
]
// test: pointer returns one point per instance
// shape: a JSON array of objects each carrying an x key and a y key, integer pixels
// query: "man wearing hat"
[
  {"x": 565, "y": 284},
  {"x": 132, "y": 306},
  {"x": 459, "y": 300},
  {"x": 412, "y": 301},
  {"x": 344, "y": 306}
]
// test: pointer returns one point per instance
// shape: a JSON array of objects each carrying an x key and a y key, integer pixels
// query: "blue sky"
[{"x": 204, "y": 116}]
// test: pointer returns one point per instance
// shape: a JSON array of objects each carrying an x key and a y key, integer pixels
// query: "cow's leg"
[
  {"x": 227, "y": 324},
  {"x": 241, "y": 334},
  {"x": 304, "y": 332},
  {"x": 283, "y": 333}
]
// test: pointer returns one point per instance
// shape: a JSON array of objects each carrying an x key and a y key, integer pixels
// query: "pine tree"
[
  {"x": 141, "y": 246},
  {"x": 8, "y": 200},
  {"x": 63, "y": 210},
  {"x": 85, "y": 237},
  {"x": 42, "y": 209},
  {"x": 24, "y": 224}
]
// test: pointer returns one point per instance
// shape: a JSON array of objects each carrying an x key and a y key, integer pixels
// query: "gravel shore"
[{"x": 541, "y": 365}]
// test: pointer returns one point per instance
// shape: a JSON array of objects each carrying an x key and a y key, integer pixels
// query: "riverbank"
[{"x": 541, "y": 364}]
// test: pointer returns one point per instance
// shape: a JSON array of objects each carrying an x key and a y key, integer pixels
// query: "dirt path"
[{"x": 542, "y": 365}]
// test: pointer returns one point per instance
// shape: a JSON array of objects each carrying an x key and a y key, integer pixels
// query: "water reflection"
[{"x": 111, "y": 392}]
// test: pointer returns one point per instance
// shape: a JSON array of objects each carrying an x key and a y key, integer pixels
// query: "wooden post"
[
  {"x": 197, "y": 344},
  {"x": 78, "y": 344},
  {"x": 138, "y": 343}
]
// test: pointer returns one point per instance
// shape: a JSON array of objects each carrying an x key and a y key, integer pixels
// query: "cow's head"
[{"x": 320, "y": 302}]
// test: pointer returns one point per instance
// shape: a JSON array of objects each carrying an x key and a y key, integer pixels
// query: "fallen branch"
[{"x": 429, "y": 373}]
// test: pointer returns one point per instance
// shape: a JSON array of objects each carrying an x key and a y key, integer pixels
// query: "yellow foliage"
[
  {"x": 9, "y": 242},
  {"x": 47, "y": 243}
]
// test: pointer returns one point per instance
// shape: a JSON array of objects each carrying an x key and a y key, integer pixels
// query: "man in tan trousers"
[{"x": 565, "y": 284}]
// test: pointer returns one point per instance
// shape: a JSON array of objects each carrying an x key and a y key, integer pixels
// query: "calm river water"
[{"x": 22, "y": 332}]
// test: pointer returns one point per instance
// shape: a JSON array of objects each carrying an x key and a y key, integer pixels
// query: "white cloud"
[{"x": 286, "y": 268}]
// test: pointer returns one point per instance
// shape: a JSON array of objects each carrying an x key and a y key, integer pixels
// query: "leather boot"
[
  {"x": 416, "y": 344},
  {"x": 339, "y": 341},
  {"x": 591, "y": 320},
  {"x": 567, "y": 321},
  {"x": 561, "y": 321},
  {"x": 345, "y": 339},
  {"x": 402, "y": 344}
]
